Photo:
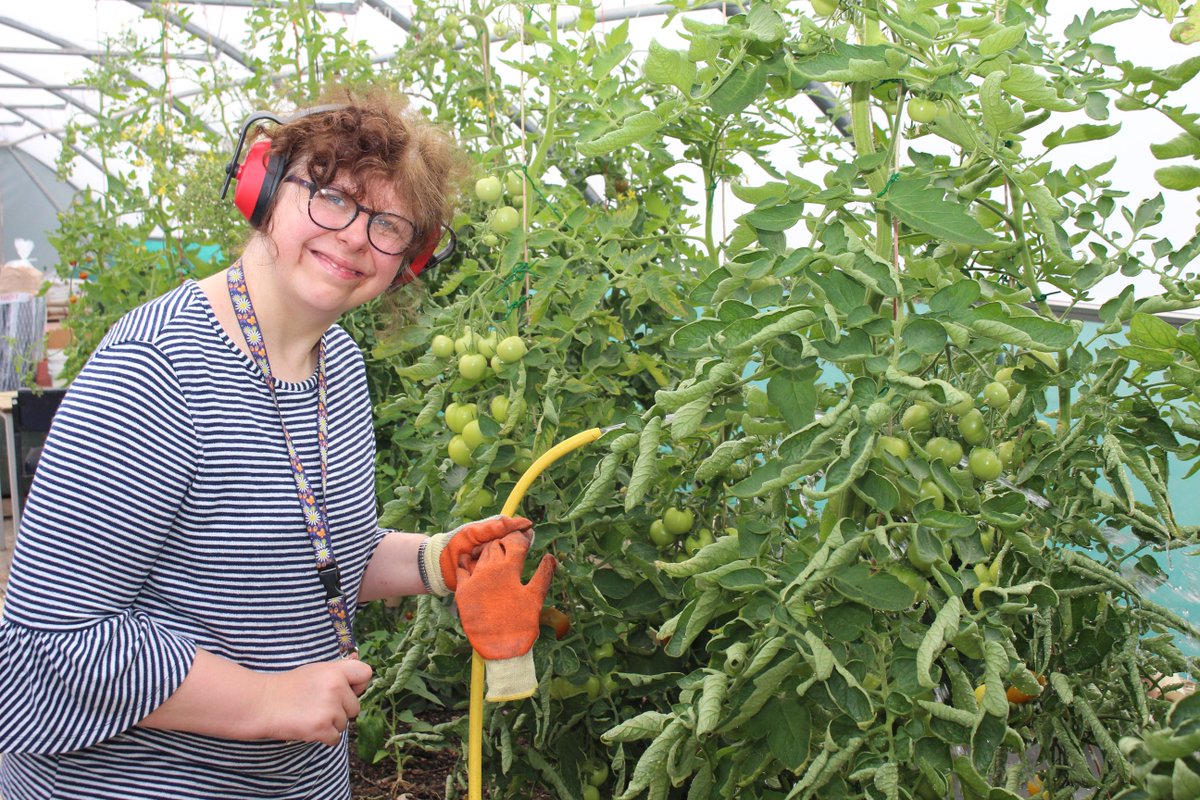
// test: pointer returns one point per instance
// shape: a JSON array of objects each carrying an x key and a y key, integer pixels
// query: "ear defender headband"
[{"x": 261, "y": 174}]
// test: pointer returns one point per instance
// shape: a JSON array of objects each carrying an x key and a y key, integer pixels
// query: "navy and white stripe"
[{"x": 163, "y": 518}]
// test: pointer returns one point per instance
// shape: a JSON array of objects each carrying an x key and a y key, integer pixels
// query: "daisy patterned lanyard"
[{"x": 315, "y": 516}]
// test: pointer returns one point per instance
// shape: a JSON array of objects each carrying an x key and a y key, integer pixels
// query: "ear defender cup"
[{"x": 258, "y": 179}]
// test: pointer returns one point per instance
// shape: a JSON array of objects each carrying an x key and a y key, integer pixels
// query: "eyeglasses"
[{"x": 334, "y": 210}]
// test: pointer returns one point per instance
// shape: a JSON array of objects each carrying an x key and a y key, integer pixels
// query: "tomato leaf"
[
  {"x": 924, "y": 208},
  {"x": 788, "y": 723},
  {"x": 880, "y": 591},
  {"x": 1080, "y": 133},
  {"x": 794, "y": 393},
  {"x": 776, "y": 217},
  {"x": 669, "y": 67},
  {"x": 999, "y": 321},
  {"x": 635, "y": 128},
  {"x": 739, "y": 89},
  {"x": 924, "y": 335}
]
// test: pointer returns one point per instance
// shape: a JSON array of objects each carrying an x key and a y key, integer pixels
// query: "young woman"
[{"x": 203, "y": 521}]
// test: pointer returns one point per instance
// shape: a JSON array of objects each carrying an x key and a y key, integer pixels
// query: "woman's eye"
[
  {"x": 335, "y": 199},
  {"x": 391, "y": 227}
]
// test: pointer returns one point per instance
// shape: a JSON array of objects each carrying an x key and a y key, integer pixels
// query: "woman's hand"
[
  {"x": 466, "y": 542},
  {"x": 313, "y": 703}
]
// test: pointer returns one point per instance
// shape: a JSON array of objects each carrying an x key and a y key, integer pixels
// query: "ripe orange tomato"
[{"x": 552, "y": 618}]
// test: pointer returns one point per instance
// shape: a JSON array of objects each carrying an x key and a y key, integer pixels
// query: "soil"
[{"x": 423, "y": 778}]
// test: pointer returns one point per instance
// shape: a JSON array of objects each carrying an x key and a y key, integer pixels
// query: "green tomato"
[
  {"x": 598, "y": 775},
  {"x": 678, "y": 521},
  {"x": 442, "y": 346},
  {"x": 489, "y": 240},
  {"x": 458, "y": 415},
  {"x": 917, "y": 583},
  {"x": 458, "y": 451},
  {"x": 1005, "y": 376},
  {"x": 659, "y": 535},
  {"x": 894, "y": 445},
  {"x": 486, "y": 345},
  {"x": 590, "y": 792},
  {"x": 916, "y": 418},
  {"x": 602, "y": 651},
  {"x": 1007, "y": 450},
  {"x": 523, "y": 461},
  {"x": 984, "y": 464},
  {"x": 472, "y": 366},
  {"x": 693, "y": 544},
  {"x": 465, "y": 343},
  {"x": 488, "y": 189},
  {"x": 505, "y": 219},
  {"x": 948, "y": 450},
  {"x": 962, "y": 407},
  {"x": 931, "y": 491},
  {"x": 987, "y": 538},
  {"x": 916, "y": 558},
  {"x": 972, "y": 427},
  {"x": 922, "y": 110},
  {"x": 497, "y": 365},
  {"x": 996, "y": 396},
  {"x": 499, "y": 408},
  {"x": 514, "y": 183},
  {"x": 511, "y": 349},
  {"x": 757, "y": 403},
  {"x": 472, "y": 435},
  {"x": 825, "y": 8},
  {"x": 482, "y": 499},
  {"x": 877, "y": 414},
  {"x": 561, "y": 689}
]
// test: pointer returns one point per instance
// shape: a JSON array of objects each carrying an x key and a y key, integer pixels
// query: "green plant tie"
[
  {"x": 518, "y": 272},
  {"x": 545, "y": 199},
  {"x": 888, "y": 185},
  {"x": 514, "y": 305}
]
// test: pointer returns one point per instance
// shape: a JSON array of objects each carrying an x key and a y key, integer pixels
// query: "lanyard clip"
[{"x": 331, "y": 578}]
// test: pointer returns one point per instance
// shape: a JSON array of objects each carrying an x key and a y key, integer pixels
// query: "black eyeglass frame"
[{"x": 359, "y": 208}]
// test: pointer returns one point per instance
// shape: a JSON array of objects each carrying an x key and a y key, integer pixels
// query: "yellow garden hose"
[{"x": 475, "y": 720}]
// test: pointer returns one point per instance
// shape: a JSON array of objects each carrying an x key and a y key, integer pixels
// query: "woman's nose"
[{"x": 355, "y": 234}]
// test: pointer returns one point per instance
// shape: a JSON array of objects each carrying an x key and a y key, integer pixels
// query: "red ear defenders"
[{"x": 261, "y": 174}]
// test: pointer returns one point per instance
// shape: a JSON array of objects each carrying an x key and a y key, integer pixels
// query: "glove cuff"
[
  {"x": 430, "y": 562},
  {"x": 510, "y": 678}
]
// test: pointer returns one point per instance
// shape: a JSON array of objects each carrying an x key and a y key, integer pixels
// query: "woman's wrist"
[{"x": 429, "y": 562}]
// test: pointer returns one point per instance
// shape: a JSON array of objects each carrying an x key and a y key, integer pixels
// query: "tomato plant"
[{"x": 807, "y": 371}]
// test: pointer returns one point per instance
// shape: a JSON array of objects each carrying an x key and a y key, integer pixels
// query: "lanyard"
[{"x": 315, "y": 516}]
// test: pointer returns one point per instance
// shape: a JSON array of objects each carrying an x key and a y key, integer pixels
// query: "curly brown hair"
[{"x": 374, "y": 137}]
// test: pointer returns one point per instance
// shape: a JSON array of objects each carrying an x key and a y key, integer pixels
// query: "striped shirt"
[{"x": 164, "y": 518}]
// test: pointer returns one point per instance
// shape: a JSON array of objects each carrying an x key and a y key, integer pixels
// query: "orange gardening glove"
[
  {"x": 500, "y": 615},
  {"x": 441, "y": 554}
]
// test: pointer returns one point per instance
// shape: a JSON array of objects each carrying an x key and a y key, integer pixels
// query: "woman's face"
[{"x": 330, "y": 271}]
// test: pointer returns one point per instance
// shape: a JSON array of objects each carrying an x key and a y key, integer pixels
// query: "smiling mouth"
[{"x": 338, "y": 267}]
